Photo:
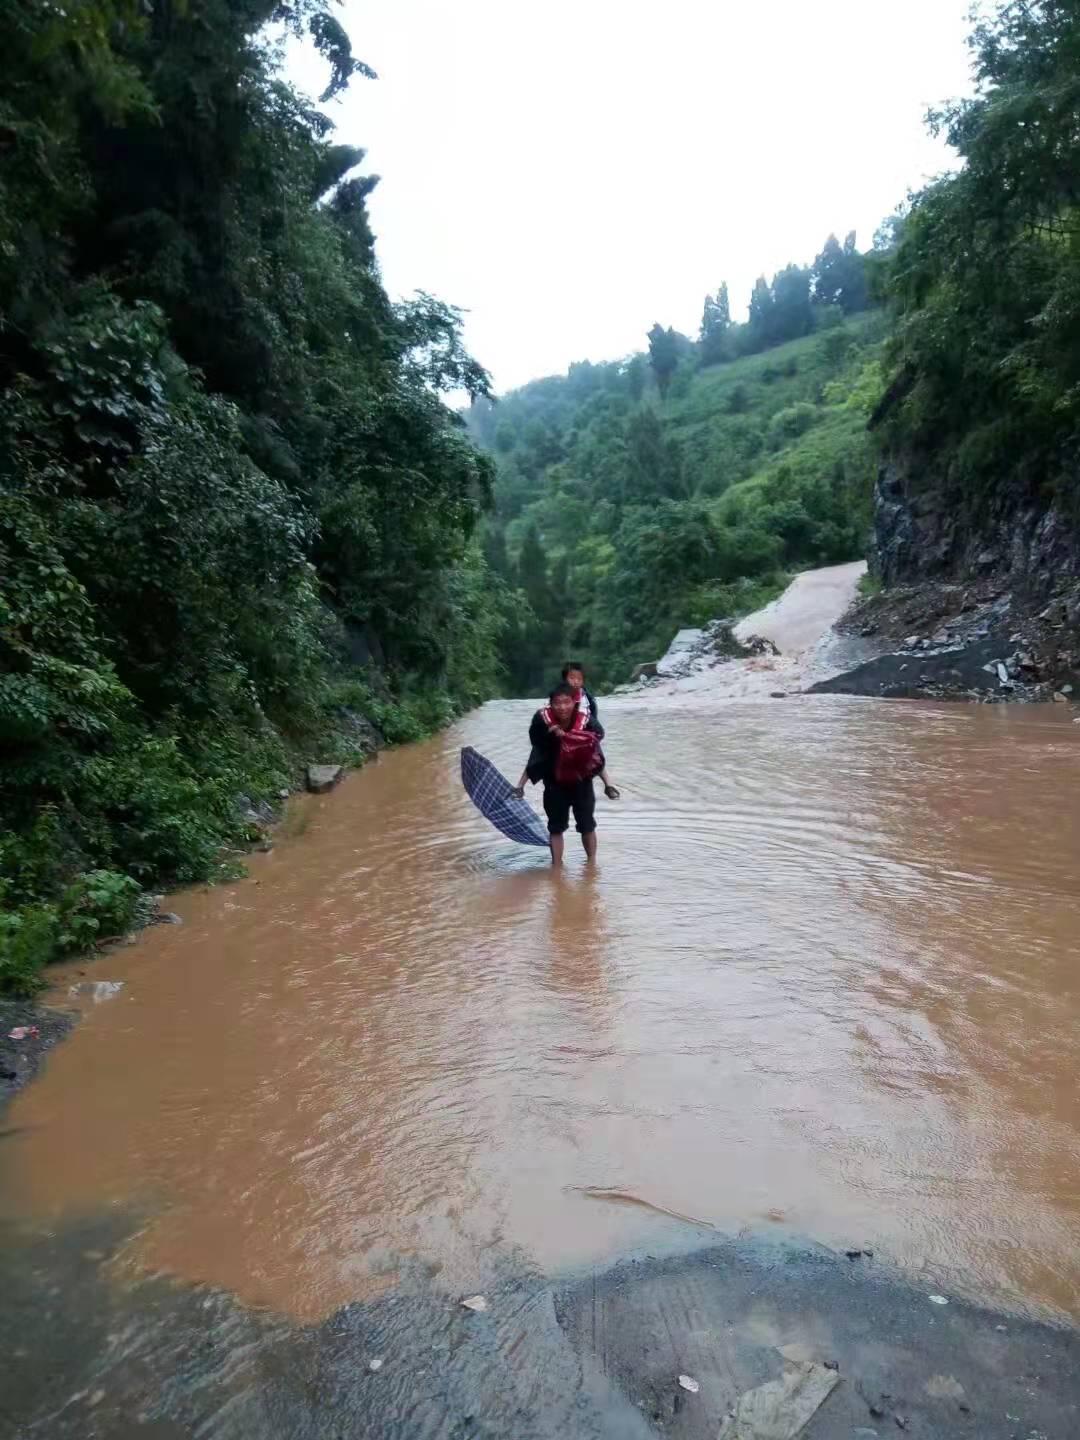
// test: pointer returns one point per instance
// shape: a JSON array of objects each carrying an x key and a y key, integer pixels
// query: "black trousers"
[{"x": 559, "y": 800}]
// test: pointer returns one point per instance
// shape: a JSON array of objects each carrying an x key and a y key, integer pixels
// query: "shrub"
[
  {"x": 788, "y": 424},
  {"x": 28, "y": 941},
  {"x": 97, "y": 905}
]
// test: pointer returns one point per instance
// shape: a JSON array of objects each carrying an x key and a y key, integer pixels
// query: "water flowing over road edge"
[
  {"x": 676, "y": 1056},
  {"x": 800, "y": 626}
]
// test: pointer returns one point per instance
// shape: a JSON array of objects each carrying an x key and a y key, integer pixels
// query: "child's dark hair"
[
  {"x": 572, "y": 665},
  {"x": 562, "y": 689}
]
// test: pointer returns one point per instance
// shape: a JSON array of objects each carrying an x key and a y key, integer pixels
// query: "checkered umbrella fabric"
[{"x": 494, "y": 797}]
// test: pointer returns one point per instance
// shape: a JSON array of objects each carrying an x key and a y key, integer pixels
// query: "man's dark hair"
[
  {"x": 572, "y": 665},
  {"x": 562, "y": 689}
]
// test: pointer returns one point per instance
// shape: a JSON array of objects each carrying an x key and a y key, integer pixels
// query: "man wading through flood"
[{"x": 566, "y": 757}]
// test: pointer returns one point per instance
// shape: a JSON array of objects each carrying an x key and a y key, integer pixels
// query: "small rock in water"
[
  {"x": 475, "y": 1302},
  {"x": 169, "y": 917},
  {"x": 1002, "y": 673},
  {"x": 321, "y": 778},
  {"x": 911, "y": 642},
  {"x": 1060, "y": 698},
  {"x": 689, "y": 1383}
]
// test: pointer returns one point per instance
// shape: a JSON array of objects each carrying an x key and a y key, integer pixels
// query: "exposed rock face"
[
  {"x": 989, "y": 591},
  {"x": 923, "y": 530}
]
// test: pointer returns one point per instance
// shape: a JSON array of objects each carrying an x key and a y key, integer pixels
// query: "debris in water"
[
  {"x": 832, "y": 1365},
  {"x": 689, "y": 1383},
  {"x": 944, "y": 1387},
  {"x": 780, "y": 1409},
  {"x": 97, "y": 990},
  {"x": 475, "y": 1302},
  {"x": 855, "y": 1254},
  {"x": 624, "y": 1197},
  {"x": 938, "y": 1300},
  {"x": 24, "y": 1032},
  {"x": 375, "y": 1364}
]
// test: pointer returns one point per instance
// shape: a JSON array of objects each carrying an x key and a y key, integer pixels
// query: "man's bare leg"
[
  {"x": 556, "y": 849},
  {"x": 589, "y": 841}
]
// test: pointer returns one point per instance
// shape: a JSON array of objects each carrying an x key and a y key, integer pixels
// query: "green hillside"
[{"x": 622, "y": 513}]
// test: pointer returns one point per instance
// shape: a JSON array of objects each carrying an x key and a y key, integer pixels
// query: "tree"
[
  {"x": 224, "y": 451},
  {"x": 839, "y": 276},
  {"x": 792, "y": 314},
  {"x": 635, "y": 377},
  {"x": 759, "y": 324},
  {"x": 715, "y": 324},
  {"x": 538, "y": 648},
  {"x": 985, "y": 279},
  {"x": 653, "y": 469},
  {"x": 663, "y": 356}
]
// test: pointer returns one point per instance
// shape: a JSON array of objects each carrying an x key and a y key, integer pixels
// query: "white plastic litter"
[
  {"x": 689, "y": 1383},
  {"x": 780, "y": 1409},
  {"x": 475, "y": 1302}
]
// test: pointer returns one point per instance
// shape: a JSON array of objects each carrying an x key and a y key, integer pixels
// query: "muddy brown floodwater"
[{"x": 824, "y": 980}]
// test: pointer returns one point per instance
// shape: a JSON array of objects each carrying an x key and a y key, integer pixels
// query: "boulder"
[
  {"x": 321, "y": 778},
  {"x": 648, "y": 669}
]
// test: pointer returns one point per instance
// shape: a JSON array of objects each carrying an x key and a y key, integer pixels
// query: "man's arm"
[{"x": 539, "y": 737}]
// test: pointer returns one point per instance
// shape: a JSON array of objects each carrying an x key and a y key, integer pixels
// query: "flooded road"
[{"x": 823, "y": 982}]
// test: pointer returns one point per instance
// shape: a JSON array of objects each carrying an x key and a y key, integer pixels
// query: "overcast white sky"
[{"x": 571, "y": 172}]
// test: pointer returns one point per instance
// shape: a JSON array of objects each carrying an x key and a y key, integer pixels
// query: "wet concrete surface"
[
  {"x": 22, "y": 1055},
  {"x": 595, "y": 1355},
  {"x": 913, "y": 675}
]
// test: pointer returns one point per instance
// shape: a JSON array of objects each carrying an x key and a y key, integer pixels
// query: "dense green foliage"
[
  {"x": 985, "y": 282},
  {"x": 225, "y": 469},
  {"x": 642, "y": 495},
  {"x": 234, "y": 509}
]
